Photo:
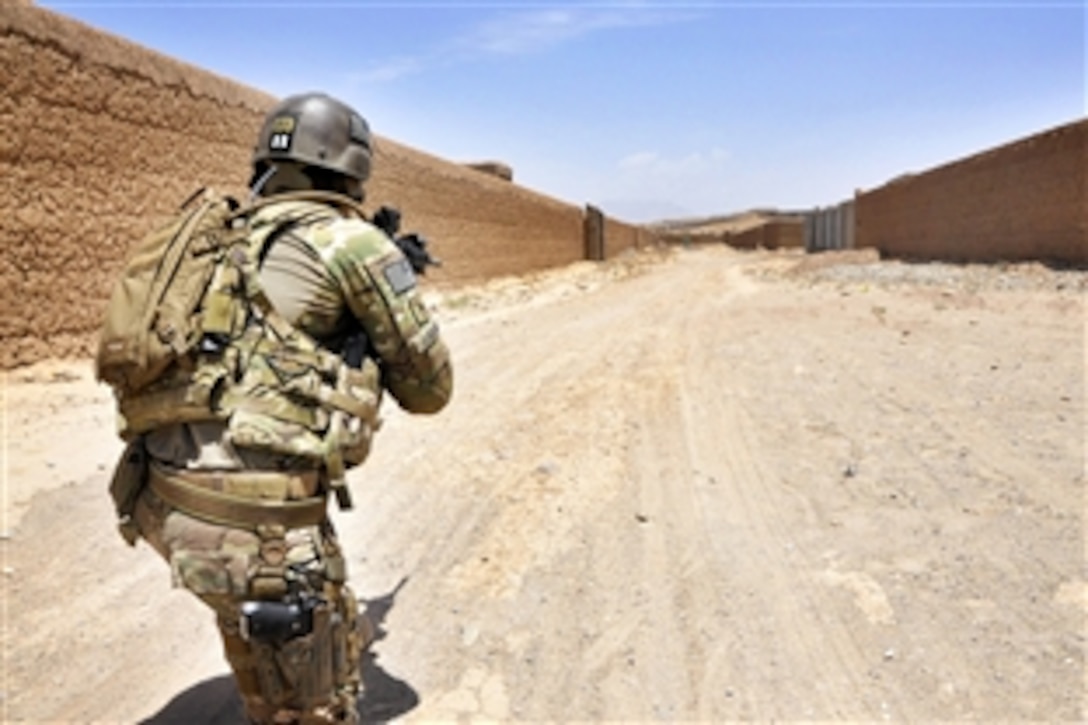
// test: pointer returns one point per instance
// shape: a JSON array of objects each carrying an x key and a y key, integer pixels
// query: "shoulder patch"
[{"x": 399, "y": 275}]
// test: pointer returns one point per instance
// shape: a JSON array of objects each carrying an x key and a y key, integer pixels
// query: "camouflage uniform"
[{"x": 329, "y": 276}]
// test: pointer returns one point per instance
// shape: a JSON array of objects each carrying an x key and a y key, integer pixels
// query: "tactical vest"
[{"x": 229, "y": 356}]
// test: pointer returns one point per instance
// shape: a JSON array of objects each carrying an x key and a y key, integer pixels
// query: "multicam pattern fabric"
[
  {"x": 379, "y": 289},
  {"x": 330, "y": 276},
  {"x": 217, "y": 564},
  {"x": 279, "y": 397}
]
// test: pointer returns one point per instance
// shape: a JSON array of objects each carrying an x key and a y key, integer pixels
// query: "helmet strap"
[{"x": 259, "y": 184}]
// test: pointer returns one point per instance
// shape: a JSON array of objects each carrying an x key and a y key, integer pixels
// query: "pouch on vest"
[{"x": 129, "y": 478}]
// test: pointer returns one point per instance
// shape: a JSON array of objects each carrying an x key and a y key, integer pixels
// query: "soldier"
[{"x": 240, "y": 444}]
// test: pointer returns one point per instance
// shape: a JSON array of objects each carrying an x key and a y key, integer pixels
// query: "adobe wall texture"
[
  {"x": 104, "y": 138},
  {"x": 770, "y": 235},
  {"x": 479, "y": 225},
  {"x": 688, "y": 239},
  {"x": 1027, "y": 200},
  {"x": 620, "y": 237}
]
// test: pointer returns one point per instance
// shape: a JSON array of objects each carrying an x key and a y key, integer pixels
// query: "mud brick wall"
[
  {"x": 479, "y": 225},
  {"x": 688, "y": 239},
  {"x": 771, "y": 235},
  {"x": 620, "y": 237},
  {"x": 1022, "y": 201},
  {"x": 104, "y": 138}
]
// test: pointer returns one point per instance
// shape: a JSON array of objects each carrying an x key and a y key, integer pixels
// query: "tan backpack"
[
  {"x": 151, "y": 319},
  {"x": 157, "y": 313}
]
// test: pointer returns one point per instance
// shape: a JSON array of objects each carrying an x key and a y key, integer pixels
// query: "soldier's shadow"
[{"x": 216, "y": 701}]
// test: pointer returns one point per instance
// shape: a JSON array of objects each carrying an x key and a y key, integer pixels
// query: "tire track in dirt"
[
  {"x": 786, "y": 627},
  {"x": 690, "y": 494},
  {"x": 923, "y": 465},
  {"x": 518, "y": 491}
]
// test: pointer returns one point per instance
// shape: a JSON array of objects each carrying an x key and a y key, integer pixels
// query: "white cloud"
[
  {"x": 531, "y": 32},
  {"x": 520, "y": 33},
  {"x": 523, "y": 33},
  {"x": 389, "y": 70},
  {"x": 652, "y": 164},
  {"x": 641, "y": 159}
]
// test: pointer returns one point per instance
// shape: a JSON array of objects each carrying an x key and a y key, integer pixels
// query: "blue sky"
[{"x": 651, "y": 109}]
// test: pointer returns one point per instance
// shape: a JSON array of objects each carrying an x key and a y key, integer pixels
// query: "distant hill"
[{"x": 731, "y": 223}]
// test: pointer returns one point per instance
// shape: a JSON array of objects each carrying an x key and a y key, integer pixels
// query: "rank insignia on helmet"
[
  {"x": 283, "y": 124},
  {"x": 282, "y": 129},
  {"x": 279, "y": 141}
]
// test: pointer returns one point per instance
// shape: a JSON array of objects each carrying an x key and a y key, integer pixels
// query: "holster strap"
[{"x": 225, "y": 509}]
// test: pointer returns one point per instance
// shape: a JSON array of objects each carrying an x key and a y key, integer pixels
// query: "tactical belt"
[{"x": 203, "y": 502}]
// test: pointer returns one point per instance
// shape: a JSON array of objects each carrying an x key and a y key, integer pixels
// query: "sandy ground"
[{"x": 703, "y": 485}]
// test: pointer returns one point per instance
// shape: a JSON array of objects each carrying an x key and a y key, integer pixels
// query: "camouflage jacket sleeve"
[{"x": 379, "y": 288}]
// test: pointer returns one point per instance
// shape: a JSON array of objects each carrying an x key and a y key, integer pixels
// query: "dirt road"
[{"x": 699, "y": 486}]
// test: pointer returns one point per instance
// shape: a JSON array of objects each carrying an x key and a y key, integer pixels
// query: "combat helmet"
[{"x": 314, "y": 131}]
